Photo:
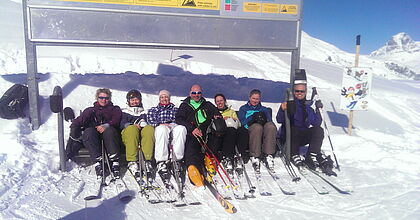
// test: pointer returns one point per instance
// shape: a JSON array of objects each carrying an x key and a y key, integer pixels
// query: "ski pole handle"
[{"x": 314, "y": 93}]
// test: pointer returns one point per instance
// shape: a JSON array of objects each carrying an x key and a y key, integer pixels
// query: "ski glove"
[
  {"x": 291, "y": 107},
  {"x": 258, "y": 117},
  {"x": 318, "y": 104}
]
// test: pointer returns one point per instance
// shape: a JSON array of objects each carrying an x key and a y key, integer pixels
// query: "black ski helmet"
[{"x": 134, "y": 93}]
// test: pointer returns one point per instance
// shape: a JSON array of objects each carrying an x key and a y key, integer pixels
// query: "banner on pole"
[{"x": 356, "y": 88}]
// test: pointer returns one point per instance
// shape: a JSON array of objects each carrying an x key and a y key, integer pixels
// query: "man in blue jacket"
[
  {"x": 305, "y": 127},
  {"x": 262, "y": 131}
]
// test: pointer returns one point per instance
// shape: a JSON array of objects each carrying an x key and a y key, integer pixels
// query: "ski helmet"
[{"x": 134, "y": 93}]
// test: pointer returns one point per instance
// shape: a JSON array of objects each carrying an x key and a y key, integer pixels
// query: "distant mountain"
[
  {"x": 399, "y": 43},
  {"x": 401, "y": 56}
]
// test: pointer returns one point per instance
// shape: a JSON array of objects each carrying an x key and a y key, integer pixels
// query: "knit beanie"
[{"x": 165, "y": 92}]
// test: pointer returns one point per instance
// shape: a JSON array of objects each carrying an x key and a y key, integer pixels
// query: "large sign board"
[
  {"x": 356, "y": 88},
  {"x": 214, "y": 24}
]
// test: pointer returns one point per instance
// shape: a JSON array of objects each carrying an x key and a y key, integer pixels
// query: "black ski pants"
[
  {"x": 312, "y": 136},
  {"x": 224, "y": 143},
  {"x": 227, "y": 142},
  {"x": 193, "y": 154},
  {"x": 92, "y": 140}
]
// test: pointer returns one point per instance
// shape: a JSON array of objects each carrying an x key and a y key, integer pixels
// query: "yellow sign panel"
[
  {"x": 252, "y": 7},
  {"x": 289, "y": 9},
  {"x": 270, "y": 8},
  {"x": 195, "y": 4}
]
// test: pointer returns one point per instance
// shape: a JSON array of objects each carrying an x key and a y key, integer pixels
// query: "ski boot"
[
  {"x": 326, "y": 164},
  {"x": 164, "y": 173},
  {"x": 98, "y": 168},
  {"x": 239, "y": 169},
  {"x": 149, "y": 170},
  {"x": 133, "y": 167},
  {"x": 115, "y": 166},
  {"x": 312, "y": 162},
  {"x": 297, "y": 161},
  {"x": 269, "y": 162},
  {"x": 195, "y": 176},
  {"x": 210, "y": 166},
  {"x": 256, "y": 164},
  {"x": 228, "y": 164}
]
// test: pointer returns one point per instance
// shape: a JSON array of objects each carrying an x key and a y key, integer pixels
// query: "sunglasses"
[
  {"x": 101, "y": 97},
  {"x": 196, "y": 93},
  {"x": 300, "y": 91}
]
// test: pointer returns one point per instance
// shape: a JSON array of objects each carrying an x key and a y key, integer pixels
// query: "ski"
[
  {"x": 243, "y": 173},
  {"x": 236, "y": 187},
  {"x": 221, "y": 187},
  {"x": 149, "y": 192},
  {"x": 243, "y": 176},
  {"x": 318, "y": 187},
  {"x": 99, "y": 184},
  {"x": 261, "y": 184},
  {"x": 330, "y": 183},
  {"x": 279, "y": 182},
  {"x": 224, "y": 203}
]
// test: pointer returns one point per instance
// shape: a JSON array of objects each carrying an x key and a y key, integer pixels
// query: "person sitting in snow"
[
  {"x": 235, "y": 136},
  {"x": 196, "y": 114},
  {"x": 305, "y": 129},
  {"x": 162, "y": 117},
  {"x": 262, "y": 131},
  {"x": 101, "y": 123},
  {"x": 135, "y": 131}
]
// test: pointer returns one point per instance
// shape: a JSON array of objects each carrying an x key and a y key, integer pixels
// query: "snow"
[{"x": 379, "y": 162}]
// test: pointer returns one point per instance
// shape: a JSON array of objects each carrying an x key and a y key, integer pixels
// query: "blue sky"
[{"x": 339, "y": 21}]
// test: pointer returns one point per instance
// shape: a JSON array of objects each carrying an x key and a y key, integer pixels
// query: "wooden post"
[{"x": 356, "y": 64}]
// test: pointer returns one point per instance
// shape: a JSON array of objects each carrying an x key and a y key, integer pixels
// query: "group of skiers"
[{"x": 166, "y": 131}]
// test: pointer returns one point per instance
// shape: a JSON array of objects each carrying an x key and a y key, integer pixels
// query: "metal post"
[
  {"x": 31, "y": 71},
  {"x": 295, "y": 58}
]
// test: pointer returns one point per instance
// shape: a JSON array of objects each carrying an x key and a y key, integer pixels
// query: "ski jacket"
[
  {"x": 298, "y": 119},
  {"x": 162, "y": 114},
  {"x": 228, "y": 112},
  {"x": 188, "y": 116},
  {"x": 133, "y": 115},
  {"x": 109, "y": 115},
  {"x": 246, "y": 111}
]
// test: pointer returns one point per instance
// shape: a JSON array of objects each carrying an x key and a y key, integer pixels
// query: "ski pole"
[
  {"x": 200, "y": 139},
  {"x": 251, "y": 187},
  {"x": 316, "y": 97},
  {"x": 103, "y": 163},
  {"x": 215, "y": 159}
]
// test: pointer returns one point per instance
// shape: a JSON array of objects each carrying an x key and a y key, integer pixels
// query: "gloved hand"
[
  {"x": 318, "y": 104},
  {"x": 291, "y": 107},
  {"x": 258, "y": 117}
]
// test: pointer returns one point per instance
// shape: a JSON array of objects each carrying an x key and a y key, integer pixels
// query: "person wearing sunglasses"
[
  {"x": 100, "y": 124},
  {"x": 195, "y": 114},
  {"x": 305, "y": 128},
  {"x": 135, "y": 131},
  {"x": 262, "y": 131}
]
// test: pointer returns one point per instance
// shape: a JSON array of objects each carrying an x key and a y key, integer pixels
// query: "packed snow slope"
[{"x": 379, "y": 162}]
